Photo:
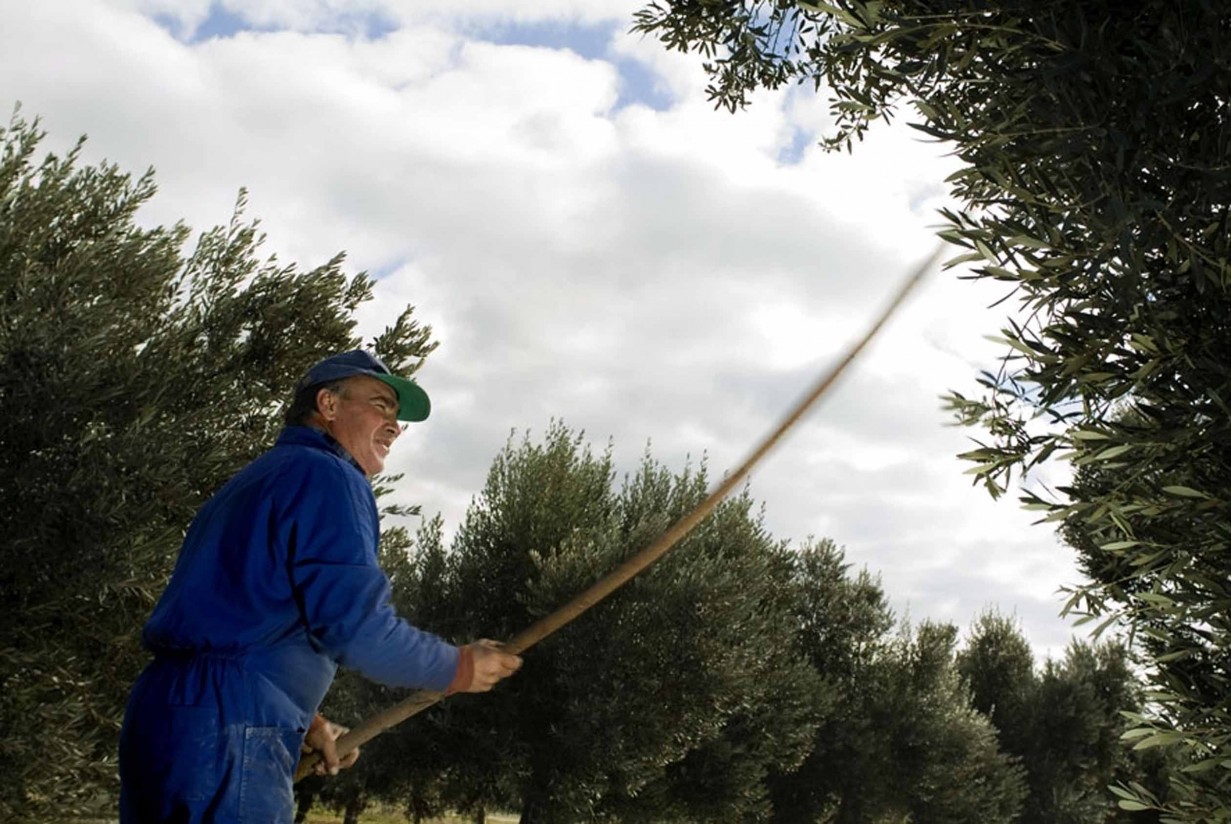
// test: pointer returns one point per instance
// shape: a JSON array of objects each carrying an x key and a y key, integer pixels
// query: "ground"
[
  {"x": 374, "y": 815},
  {"x": 384, "y": 815}
]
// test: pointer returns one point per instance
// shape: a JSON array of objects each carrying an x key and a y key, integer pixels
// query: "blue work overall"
[{"x": 276, "y": 585}]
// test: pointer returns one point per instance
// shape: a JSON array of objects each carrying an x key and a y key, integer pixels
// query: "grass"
[
  {"x": 375, "y": 814},
  {"x": 378, "y": 814}
]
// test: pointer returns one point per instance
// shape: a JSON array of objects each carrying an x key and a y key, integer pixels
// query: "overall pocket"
[{"x": 270, "y": 755}]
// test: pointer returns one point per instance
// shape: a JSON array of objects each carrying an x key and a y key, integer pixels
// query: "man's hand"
[
  {"x": 322, "y": 738},
  {"x": 491, "y": 664}
]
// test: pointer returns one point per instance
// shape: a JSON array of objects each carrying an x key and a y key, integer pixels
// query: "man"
[{"x": 277, "y": 584}]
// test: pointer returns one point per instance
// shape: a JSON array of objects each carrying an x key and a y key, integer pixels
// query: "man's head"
[{"x": 356, "y": 399}]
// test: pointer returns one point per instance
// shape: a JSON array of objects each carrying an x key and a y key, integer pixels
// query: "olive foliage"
[
  {"x": 1061, "y": 723},
  {"x": 138, "y": 371},
  {"x": 672, "y": 699},
  {"x": 739, "y": 679},
  {"x": 1094, "y": 139}
]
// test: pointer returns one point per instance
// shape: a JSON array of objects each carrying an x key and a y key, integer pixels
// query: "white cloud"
[
  {"x": 469, "y": 12},
  {"x": 645, "y": 275}
]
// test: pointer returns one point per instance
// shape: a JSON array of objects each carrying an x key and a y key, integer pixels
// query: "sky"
[{"x": 591, "y": 242}]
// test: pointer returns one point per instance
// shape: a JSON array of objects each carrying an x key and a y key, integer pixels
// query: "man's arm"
[{"x": 331, "y": 532}]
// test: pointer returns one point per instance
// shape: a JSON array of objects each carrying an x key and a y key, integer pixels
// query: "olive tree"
[
  {"x": 1093, "y": 137},
  {"x": 671, "y": 700},
  {"x": 138, "y": 371}
]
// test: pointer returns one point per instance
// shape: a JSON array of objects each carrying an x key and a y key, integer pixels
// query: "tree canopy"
[
  {"x": 1094, "y": 139},
  {"x": 136, "y": 377},
  {"x": 671, "y": 699},
  {"x": 1061, "y": 723},
  {"x": 740, "y": 679}
]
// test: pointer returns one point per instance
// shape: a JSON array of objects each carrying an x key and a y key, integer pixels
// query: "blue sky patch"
[
  {"x": 589, "y": 42},
  {"x": 638, "y": 83},
  {"x": 223, "y": 23},
  {"x": 793, "y": 151},
  {"x": 386, "y": 268}
]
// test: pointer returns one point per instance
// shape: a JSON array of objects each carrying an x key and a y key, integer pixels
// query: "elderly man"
[{"x": 276, "y": 585}]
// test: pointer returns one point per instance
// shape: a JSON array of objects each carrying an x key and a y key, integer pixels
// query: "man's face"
[{"x": 363, "y": 418}]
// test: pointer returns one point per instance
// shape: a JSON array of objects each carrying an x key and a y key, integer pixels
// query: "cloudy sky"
[{"x": 591, "y": 242}]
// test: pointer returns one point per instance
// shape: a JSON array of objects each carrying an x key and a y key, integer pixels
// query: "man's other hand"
[{"x": 322, "y": 738}]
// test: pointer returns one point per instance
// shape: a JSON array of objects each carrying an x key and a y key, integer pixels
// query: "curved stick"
[{"x": 630, "y": 568}]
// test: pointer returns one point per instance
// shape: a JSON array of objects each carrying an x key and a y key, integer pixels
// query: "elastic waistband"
[{"x": 186, "y": 655}]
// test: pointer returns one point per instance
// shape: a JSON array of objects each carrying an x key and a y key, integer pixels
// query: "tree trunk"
[
  {"x": 534, "y": 806},
  {"x": 303, "y": 803},
  {"x": 418, "y": 808},
  {"x": 354, "y": 807}
]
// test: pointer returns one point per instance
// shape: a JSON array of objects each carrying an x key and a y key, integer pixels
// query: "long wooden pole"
[{"x": 633, "y": 566}]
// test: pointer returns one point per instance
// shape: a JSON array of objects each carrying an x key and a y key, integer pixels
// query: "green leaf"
[
  {"x": 1137, "y": 732},
  {"x": 1113, "y": 452},
  {"x": 1129, "y": 804},
  {"x": 1205, "y": 765},
  {"x": 1156, "y": 598},
  {"x": 1028, "y": 242},
  {"x": 1159, "y": 739},
  {"x": 1184, "y": 492}
]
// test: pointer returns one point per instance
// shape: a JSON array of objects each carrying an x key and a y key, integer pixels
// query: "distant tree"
[
  {"x": 673, "y": 699},
  {"x": 538, "y": 501},
  {"x": 1093, "y": 138},
  {"x": 945, "y": 766},
  {"x": 1062, "y": 724},
  {"x": 843, "y": 625},
  {"x": 897, "y": 738},
  {"x": 998, "y": 666},
  {"x": 769, "y": 700},
  {"x": 1076, "y": 752},
  {"x": 135, "y": 379}
]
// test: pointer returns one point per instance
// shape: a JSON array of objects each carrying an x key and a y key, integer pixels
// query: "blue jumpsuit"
[{"x": 277, "y": 583}]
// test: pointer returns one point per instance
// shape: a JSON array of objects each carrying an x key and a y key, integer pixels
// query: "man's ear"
[{"x": 326, "y": 404}]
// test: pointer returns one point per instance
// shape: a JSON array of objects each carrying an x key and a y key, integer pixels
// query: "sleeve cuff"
[{"x": 465, "y": 671}]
